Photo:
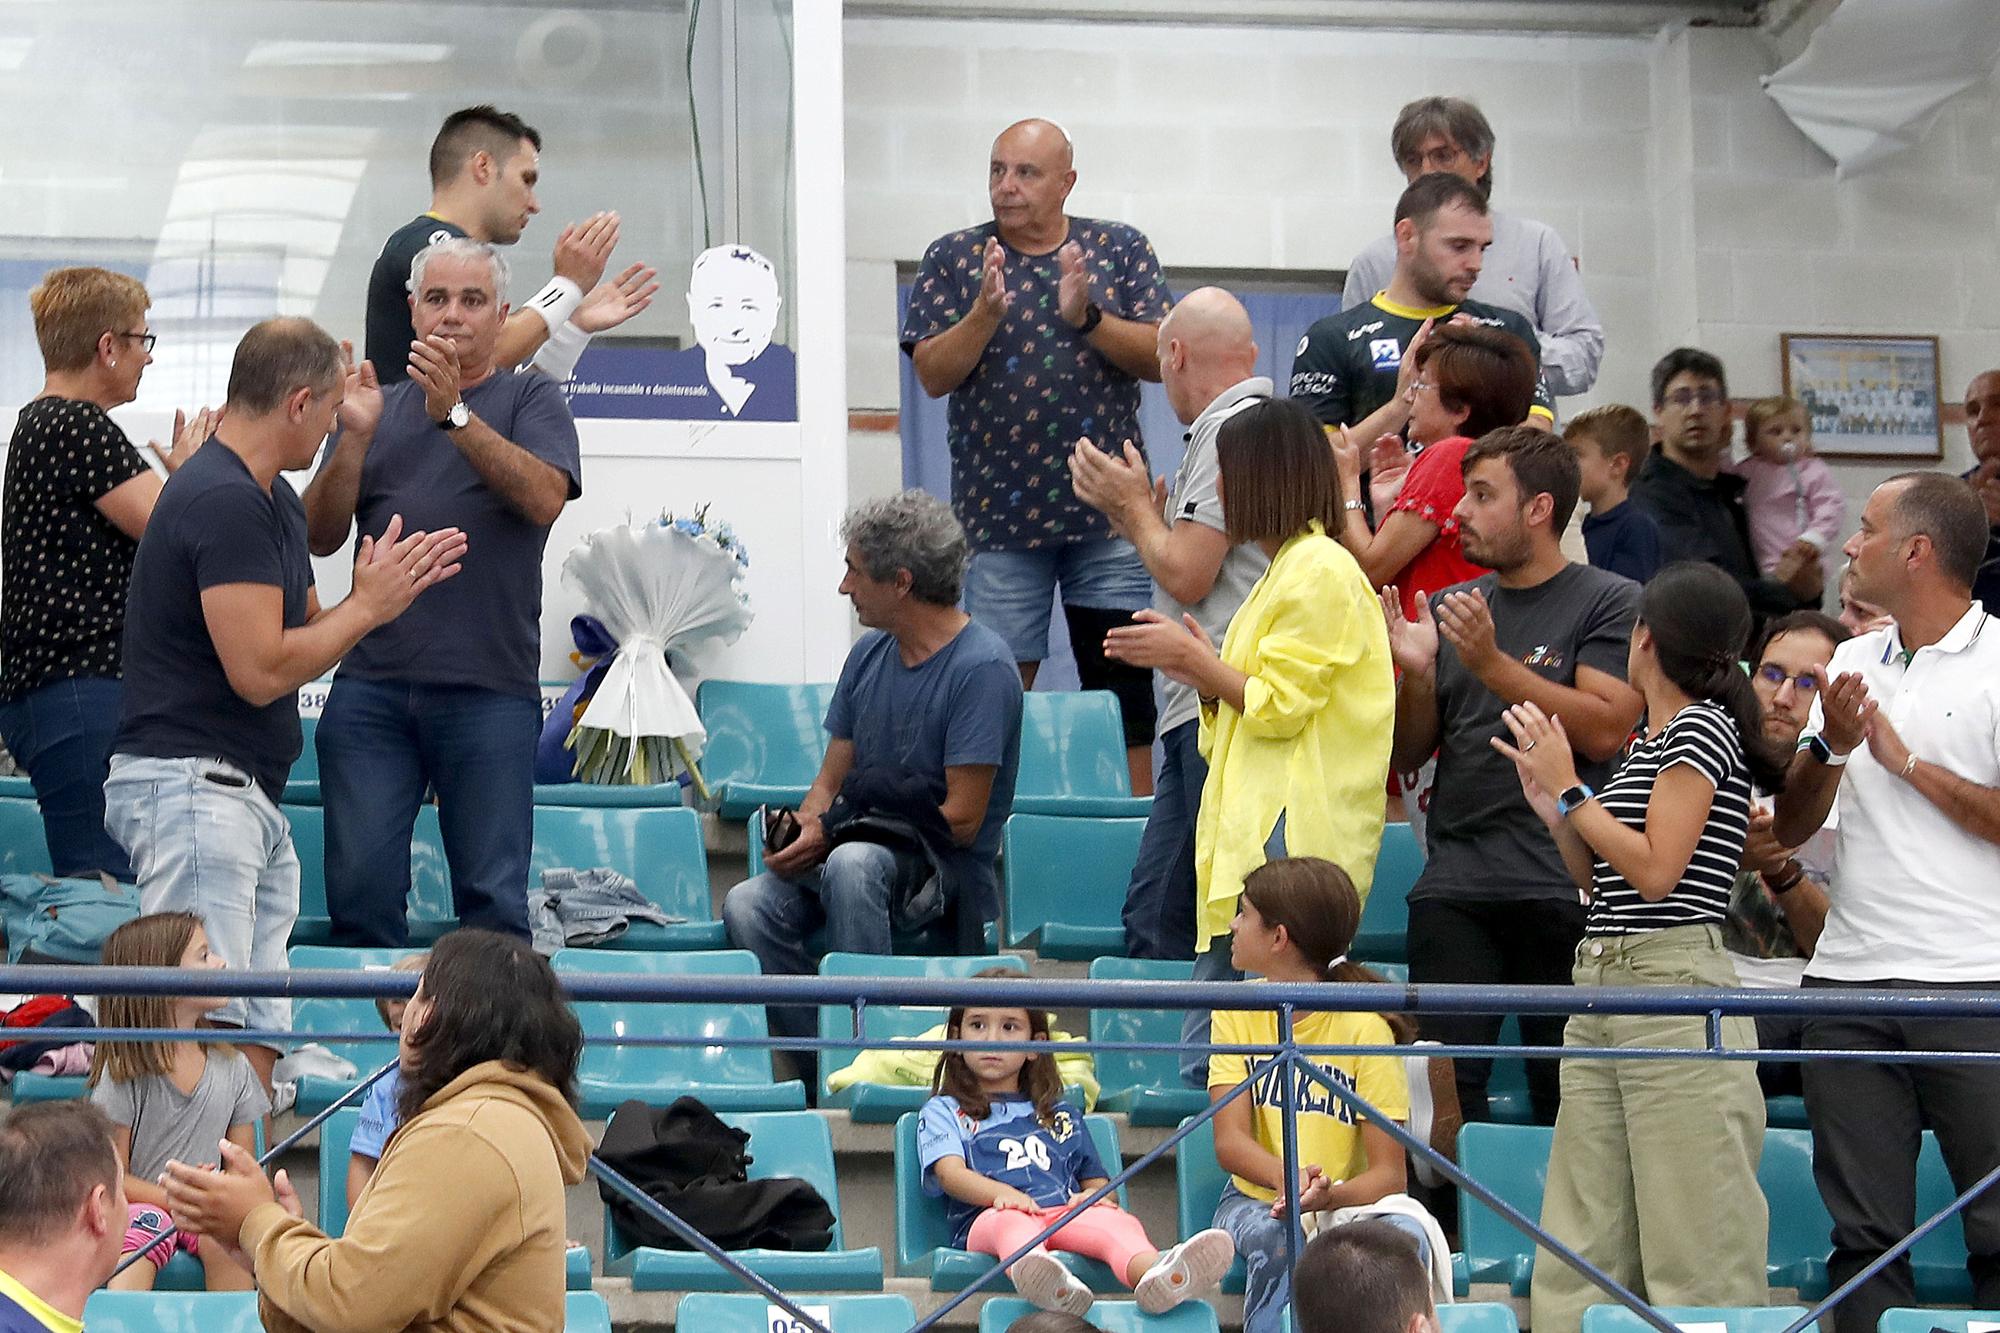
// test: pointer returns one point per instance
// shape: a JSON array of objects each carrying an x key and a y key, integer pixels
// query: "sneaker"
[
  {"x": 1048, "y": 1285},
  {"x": 1192, "y": 1268}
]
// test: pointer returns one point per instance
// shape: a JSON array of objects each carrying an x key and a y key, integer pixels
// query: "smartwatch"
[
  {"x": 1573, "y": 797},
  {"x": 1093, "y": 315},
  {"x": 1820, "y": 750}
]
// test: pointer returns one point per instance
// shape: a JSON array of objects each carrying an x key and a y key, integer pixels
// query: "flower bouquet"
[{"x": 666, "y": 584}]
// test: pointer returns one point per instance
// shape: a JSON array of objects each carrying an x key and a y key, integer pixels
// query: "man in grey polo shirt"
[{"x": 1207, "y": 356}]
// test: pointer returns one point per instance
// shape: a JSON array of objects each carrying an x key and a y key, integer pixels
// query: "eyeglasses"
[
  {"x": 1420, "y": 386},
  {"x": 147, "y": 338},
  {"x": 1696, "y": 398},
  {"x": 1437, "y": 159},
  {"x": 1774, "y": 676}
]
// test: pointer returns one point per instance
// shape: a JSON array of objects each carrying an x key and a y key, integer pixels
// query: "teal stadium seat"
[
  {"x": 585, "y": 1311},
  {"x": 745, "y": 1312},
  {"x": 1385, "y": 917},
  {"x": 1507, "y": 1099},
  {"x": 24, "y": 847},
  {"x": 1065, "y": 880},
  {"x": 1000, "y": 1313},
  {"x": 1800, "y": 1224},
  {"x": 1513, "y": 1162},
  {"x": 1198, "y": 1182},
  {"x": 302, "y": 783},
  {"x": 1761, "y": 1319},
  {"x": 1145, "y": 1085},
  {"x": 16, "y": 787},
  {"x": 923, "y": 1236},
  {"x": 726, "y": 1074},
  {"x": 1937, "y": 1262},
  {"x": 660, "y": 848},
  {"x": 431, "y": 913},
  {"x": 172, "y": 1311},
  {"x": 1907, "y": 1320},
  {"x": 782, "y": 1143},
  {"x": 877, "y": 1103},
  {"x": 1477, "y": 1317},
  {"x": 765, "y": 742},
  {"x": 335, "y": 1015},
  {"x": 1073, "y": 757}
]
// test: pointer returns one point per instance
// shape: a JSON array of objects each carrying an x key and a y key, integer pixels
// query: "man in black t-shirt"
[
  {"x": 1354, "y": 369},
  {"x": 1495, "y": 904},
  {"x": 221, "y": 629},
  {"x": 485, "y": 164}
]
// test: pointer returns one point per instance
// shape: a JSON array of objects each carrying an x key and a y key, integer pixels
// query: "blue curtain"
[{"x": 1280, "y": 319}]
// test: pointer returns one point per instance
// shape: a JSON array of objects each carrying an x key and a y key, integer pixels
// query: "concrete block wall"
[{"x": 1777, "y": 245}]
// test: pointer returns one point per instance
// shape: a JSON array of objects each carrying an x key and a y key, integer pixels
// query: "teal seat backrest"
[
  {"x": 999, "y": 1315},
  {"x": 172, "y": 1312},
  {"x": 1138, "y": 1069},
  {"x": 335, "y": 1133},
  {"x": 1908, "y": 1320},
  {"x": 326, "y": 1016},
  {"x": 762, "y": 734},
  {"x": 1072, "y": 744},
  {"x": 1198, "y": 1178},
  {"x": 1761, "y": 1319},
  {"x": 739, "y": 1312},
  {"x": 723, "y": 1060},
  {"x": 306, "y": 767},
  {"x": 1477, "y": 1317},
  {"x": 24, "y": 846},
  {"x": 1059, "y": 868},
  {"x": 1800, "y": 1224},
  {"x": 658, "y": 847},
  {"x": 585, "y": 1312},
  {"x": 1513, "y": 1162},
  {"x": 782, "y": 1143},
  {"x": 1385, "y": 917}
]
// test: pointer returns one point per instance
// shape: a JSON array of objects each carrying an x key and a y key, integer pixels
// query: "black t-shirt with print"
[
  {"x": 62, "y": 598},
  {"x": 1345, "y": 366}
]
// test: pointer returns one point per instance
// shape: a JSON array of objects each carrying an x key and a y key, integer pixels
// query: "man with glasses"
[
  {"x": 1356, "y": 368},
  {"x": 1700, "y": 507},
  {"x": 1527, "y": 270},
  {"x": 1777, "y": 906}
]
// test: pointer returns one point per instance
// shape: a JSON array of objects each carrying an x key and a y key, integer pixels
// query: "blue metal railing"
[{"x": 1287, "y": 1059}]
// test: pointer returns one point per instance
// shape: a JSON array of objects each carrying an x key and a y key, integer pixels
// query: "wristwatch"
[
  {"x": 1573, "y": 797},
  {"x": 1093, "y": 315},
  {"x": 457, "y": 417},
  {"x": 1820, "y": 750}
]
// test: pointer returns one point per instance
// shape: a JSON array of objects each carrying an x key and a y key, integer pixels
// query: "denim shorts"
[
  {"x": 205, "y": 838},
  {"x": 1012, "y": 592}
]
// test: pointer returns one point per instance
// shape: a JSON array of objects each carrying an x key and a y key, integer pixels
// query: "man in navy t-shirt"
[
  {"x": 927, "y": 695},
  {"x": 221, "y": 628},
  {"x": 63, "y": 1214},
  {"x": 449, "y": 697}
]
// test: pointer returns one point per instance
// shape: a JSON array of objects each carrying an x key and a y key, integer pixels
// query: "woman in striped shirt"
[{"x": 1653, "y": 1175}]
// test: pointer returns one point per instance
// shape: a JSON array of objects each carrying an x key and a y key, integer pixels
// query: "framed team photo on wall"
[{"x": 1867, "y": 395}]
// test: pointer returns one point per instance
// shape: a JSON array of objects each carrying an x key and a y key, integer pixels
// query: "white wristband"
[
  {"x": 558, "y": 356},
  {"x": 556, "y": 302}
]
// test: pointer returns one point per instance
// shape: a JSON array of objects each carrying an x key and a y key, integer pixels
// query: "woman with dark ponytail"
[{"x": 1653, "y": 1175}]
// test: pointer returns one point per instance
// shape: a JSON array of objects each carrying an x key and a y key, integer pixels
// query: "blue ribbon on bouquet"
[{"x": 554, "y": 763}]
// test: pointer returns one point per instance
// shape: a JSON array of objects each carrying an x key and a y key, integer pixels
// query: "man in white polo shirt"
[{"x": 1907, "y": 729}]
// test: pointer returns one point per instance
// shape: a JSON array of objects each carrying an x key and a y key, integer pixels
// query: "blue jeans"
[
  {"x": 1012, "y": 592},
  {"x": 1212, "y": 964},
  {"x": 205, "y": 838},
  {"x": 61, "y": 734},
  {"x": 848, "y": 894},
  {"x": 1159, "y": 902},
  {"x": 1260, "y": 1239},
  {"x": 380, "y": 743}
]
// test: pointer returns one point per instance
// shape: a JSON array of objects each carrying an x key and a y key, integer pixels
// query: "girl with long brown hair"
[{"x": 1009, "y": 1153}]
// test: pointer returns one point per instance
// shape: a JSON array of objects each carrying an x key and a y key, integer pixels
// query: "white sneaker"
[
  {"x": 1042, "y": 1278},
  {"x": 1190, "y": 1269}
]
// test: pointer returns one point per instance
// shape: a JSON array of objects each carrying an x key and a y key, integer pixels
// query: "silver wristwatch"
[{"x": 457, "y": 417}]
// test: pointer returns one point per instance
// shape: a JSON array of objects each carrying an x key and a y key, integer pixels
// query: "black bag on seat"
[{"x": 685, "y": 1158}]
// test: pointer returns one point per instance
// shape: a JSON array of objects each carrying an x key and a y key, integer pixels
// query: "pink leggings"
[{"x": 1102, "y": 1232}]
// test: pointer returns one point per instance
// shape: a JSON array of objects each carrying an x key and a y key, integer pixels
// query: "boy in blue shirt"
[{"x": 1611, "y": 444}]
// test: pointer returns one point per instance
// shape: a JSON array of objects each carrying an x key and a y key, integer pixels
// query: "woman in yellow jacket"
[{"x": 1299, "y": 706}]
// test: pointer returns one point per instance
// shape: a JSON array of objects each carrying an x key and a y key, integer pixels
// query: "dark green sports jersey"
[{"x": 1346, "y": 365}]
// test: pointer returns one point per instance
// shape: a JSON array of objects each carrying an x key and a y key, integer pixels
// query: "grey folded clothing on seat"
[{"x": 587, "y": 907}]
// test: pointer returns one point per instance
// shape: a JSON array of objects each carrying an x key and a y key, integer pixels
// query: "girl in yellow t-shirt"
[{"x": 1294, "y": 922}]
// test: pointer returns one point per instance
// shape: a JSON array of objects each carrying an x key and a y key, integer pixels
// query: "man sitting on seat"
[{"x": 901, "y": 828}]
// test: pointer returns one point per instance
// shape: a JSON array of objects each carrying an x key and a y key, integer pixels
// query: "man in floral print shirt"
[{"x": 1040, "y": 326}]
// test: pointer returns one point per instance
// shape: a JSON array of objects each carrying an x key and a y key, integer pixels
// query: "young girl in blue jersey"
[
  {"x": 1009, "y": 1154},
  {"x": 1295, "y": 922}
]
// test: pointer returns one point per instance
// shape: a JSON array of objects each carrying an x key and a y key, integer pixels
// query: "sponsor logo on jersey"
[
  {"x": 1305, "y": 341},
  {"x": 1385, "y": 353},
  {"x": 1373, "y": 326},
  {"x": 439, "y": 236}
]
